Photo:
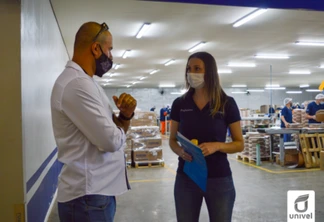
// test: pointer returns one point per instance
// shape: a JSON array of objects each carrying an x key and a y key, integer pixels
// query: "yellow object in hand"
[{"x": 194, "y": 141}]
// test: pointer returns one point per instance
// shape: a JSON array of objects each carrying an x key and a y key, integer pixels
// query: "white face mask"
[{"x": 196, "y": 80}]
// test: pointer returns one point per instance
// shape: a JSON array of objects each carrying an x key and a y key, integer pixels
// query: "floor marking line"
[
  {"x": 170, "y": 169},
  {"x": 274, "y": 172}
]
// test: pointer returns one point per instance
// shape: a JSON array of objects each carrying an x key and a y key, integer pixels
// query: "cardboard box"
[
  {"x": 143, "y": 131},
  {"x": 128, "y": 156},
  {"x": 148, "y": 142},
  {"x": 144, "y": 119},
  {"x": 147, "y": 154},
  {"x": 320, "y": 115}
]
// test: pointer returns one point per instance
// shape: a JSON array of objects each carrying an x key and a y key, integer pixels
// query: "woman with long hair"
[{"x": 205, "y": 113}]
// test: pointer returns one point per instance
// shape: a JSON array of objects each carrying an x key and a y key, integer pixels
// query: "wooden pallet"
[
  {"x": 311, "y": 146},
  {"x": 249, "y": 159},
  {"x": 149, "y": 164}
]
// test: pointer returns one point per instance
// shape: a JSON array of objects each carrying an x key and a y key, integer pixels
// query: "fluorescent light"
[
  {"x": 249, "y": 17},
  {"x": 321, "y": 67},
  {"x": 239, "y": 92},
  {"x": 154, "y": 71},
  {"x": 294, "y": 92},
  {"x": 126, "y": 54},
  {"x": 224, "y": 71},
  {"x": 177, "y": 93},
  {"x": 275, "y": 88},
  {"x": 128, "y": 86},
  {"x": 241, "y": 64},
  {"x": 299, "y": 72},
  {"x": 264, "y": 56},
  {"x": 194, "y": 48},
  {"x": 142, "y": 78},
  {"x": 167, "y": 86},
  {"x": 143, "y": 29},
  {"x": 238, "y": 86},
  {"x": 255, "y": 90},
  {"x": 304, "y": 86},
  {"x": 134, "y": 83},
  {"x": 169, "y": 62},
  {"x": 313, "y": 90},
  {"x": 309, "y": 43},
  {"x": 272, "y": 86},
  {"x": 117, "y": 66}
]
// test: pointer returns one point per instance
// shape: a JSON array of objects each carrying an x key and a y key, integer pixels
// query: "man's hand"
[
  {"x": 314, "y": 117},
  {"x": 287, "y": 125},
  {"x": 126, "y": 104}
]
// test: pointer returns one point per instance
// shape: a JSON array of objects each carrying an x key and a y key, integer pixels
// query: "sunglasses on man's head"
[{"x": 104, "y": 27}]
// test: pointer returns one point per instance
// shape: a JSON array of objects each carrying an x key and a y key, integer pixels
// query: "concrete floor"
[{"x": 261, "y": 194}]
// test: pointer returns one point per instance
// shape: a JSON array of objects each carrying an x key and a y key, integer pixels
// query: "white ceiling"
[{"x": 177, "y": 27}]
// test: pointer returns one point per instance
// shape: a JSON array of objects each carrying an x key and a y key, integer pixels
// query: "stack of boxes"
[
  {"x": 251, "y": 140},
  {"x": 299, "y": 116},
  {"x": 144, "y": 143},
  {"x": 245, "y": 113}
]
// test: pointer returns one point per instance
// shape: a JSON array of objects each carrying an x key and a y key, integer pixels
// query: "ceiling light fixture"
[
  {"x": 134, "y": 83},
  {"x": 128, "y": 86},
  {"x": 300, "y": 72},
  {"x": 264, "y": 56},
  {"x": 255, "y": 90},
  {"x": 117, "y": 66},
  {"x": 126, "y": 54},
  {"x": 239, "y": 86},
  {"x": 169, "y": 62},
  {"x": 294, "y": 92},
  {"x": 167, "y": 85},
  {"x": 309, "y": 43},
  {"x": 249, "y": 17},
  {"x": 275, "y": 88},
  {"x": 241, "y": 65},
  {"x": 321, "y": 67},
  {"x": 273, "y": 85},
  {"x": 154, "y": 71},
  {"x": 142, "y": 78},
  {"x": 224, "y": 71},
  {"x": 142, "y": 30},
  {"x": 239, "y": 92},
  {"x": 313, "y": 90},
  {"x": 304, "y": 86},
  {"x": 199, "y": 45}
]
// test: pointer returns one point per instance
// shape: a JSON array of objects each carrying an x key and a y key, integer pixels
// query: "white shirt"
[{"x": 89, "y": 143}]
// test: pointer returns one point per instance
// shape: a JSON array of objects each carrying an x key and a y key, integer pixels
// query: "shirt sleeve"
[
  {"x": 82, "y": 103},
  {"x": 175, "y": 110},
  {"x": 309, "y": 108},
  {"x": 232, "y": 112}
]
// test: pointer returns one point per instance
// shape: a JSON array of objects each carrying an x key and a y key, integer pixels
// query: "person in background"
[
  {"x": 153, "y": 109},
  {"x": 286, "y": 117},
  {"x": 204, "y": 113},
  {"x": 88, "y": 135},
  {"x": 163, "y": 110},
  {"x": 313, "y": 107}
]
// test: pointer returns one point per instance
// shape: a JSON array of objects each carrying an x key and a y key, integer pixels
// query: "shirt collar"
[{"x": 74, "y": 65}]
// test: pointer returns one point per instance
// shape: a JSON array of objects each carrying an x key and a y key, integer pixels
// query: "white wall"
[
  {"x": 148, "y": 97},
  {"x": 43, "y": 57}
]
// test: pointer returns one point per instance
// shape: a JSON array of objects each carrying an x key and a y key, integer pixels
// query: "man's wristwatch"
[{"x": 124, "y": 117}]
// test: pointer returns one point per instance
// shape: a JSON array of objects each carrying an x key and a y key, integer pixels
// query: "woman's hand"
[
  {"x": 184, "y": 155},
  {"x": 209, "y": 148}
]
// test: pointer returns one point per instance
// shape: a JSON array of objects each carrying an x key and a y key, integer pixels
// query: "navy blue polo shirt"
[
  {"x": 311, "y": 110},
  {"x": 287, "y": 113},
  {"x": 200, "y": 125}
]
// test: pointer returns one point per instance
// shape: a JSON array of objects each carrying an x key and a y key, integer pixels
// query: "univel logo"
[{"x": 301, "y": 206}]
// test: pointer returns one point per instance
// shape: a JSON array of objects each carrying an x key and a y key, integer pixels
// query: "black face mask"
[{"x": 103, "y": 64}]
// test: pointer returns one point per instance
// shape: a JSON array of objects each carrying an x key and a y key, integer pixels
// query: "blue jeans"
[
  {"x": 219, "y": 198},
  {"x": 287, "y": 137},
  {"x": 89, "y": 208}
]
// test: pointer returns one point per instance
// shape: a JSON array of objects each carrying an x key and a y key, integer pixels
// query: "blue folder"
[{"x": 197, "y": 168}]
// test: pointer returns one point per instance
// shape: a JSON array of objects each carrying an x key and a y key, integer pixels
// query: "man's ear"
[{"x": 95, "y": 50}]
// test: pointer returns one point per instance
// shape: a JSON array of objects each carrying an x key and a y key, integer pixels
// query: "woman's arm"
[
  {"x": 176, "y": 148},
  {"x": 233, "y": 147}
]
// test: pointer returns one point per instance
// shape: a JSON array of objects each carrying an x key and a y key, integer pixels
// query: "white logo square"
[{"x": 300, "y": 206}]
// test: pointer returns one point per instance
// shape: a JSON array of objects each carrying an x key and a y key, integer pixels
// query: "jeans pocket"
[{"x": 96, "y": 202}]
